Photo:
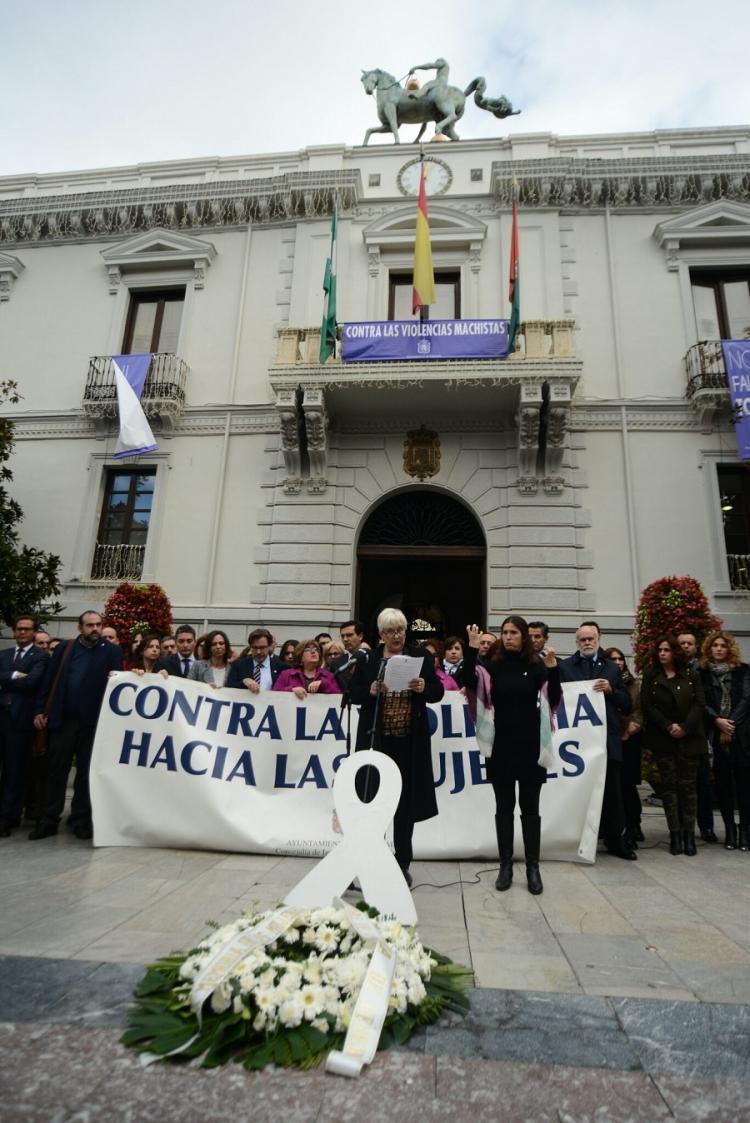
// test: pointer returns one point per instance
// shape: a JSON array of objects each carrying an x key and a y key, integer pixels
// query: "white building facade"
[{"x": 555, "y": 483}]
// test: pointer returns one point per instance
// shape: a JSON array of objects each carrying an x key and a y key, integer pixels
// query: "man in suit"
[
  {"x": 258, "y": 670},
  {"x": 352, "y": 637},
  {"x": 72, "y": 718},
  {"x": 180, "y": 663},
  {"x": 590, "y": 664},
  {"x": 21, "y": 671}
]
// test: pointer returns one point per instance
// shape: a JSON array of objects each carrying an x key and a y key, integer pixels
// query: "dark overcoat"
[
  {"x": 739, "y": 746},
  {"x": 416, "y": 765},
  {"x": 516, "y": 683},
  {"x": 576, "y": 668},
  {"x": 679, "y": 700}
]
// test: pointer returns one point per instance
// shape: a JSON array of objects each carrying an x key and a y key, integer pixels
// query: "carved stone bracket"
[
  {"x": 558, "y": 423},
  {"x": 529, "y": 418},
  {"x": 544, "y": 414},
  {"x": 287, "y": 410},
  {"x": 10, "y": 270},
  {"x": 316, "y": 427}
]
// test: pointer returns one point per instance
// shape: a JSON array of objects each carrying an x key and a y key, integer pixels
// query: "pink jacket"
[{"x": 293, "y": 676}]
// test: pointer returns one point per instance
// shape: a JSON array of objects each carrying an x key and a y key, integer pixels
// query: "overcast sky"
[{"x": 89, "y": 83}]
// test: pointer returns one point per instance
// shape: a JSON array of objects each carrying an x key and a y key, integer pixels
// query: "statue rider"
[{"x": 441, "y": 68}]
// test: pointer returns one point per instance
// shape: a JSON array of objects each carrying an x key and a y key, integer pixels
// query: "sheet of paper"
[{"x": 400, "y": 670}]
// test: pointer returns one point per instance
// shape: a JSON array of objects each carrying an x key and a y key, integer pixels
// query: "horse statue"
[{"x": 436, "y": 101}]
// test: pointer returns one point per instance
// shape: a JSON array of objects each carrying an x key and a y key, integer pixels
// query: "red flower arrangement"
[
  {"x": 138, "y": 608},
  {"x": 667, "y": 607}
]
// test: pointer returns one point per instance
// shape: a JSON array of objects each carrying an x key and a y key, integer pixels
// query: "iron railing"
[
  {"x": 705, "y": 369},
  {"x": 123, "y": 562},
  {"x": 163, "y": 392},
  {"x": 739, "y": 571}
]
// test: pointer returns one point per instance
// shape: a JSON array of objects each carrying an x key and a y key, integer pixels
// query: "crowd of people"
[{"x": 689, "y": 709}]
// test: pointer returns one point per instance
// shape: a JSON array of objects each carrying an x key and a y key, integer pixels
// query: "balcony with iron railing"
[
  {"x": 121, "y": 562},
  {"x": 707, "y": 387},
  {"x": 163, "y": 397},
  {"x": 534, "y": 386},
  {"x": 739, "y": 572},
  {"x": 535, "y": 340}
]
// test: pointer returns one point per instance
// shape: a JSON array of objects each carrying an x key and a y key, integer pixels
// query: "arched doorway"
[{"x": 423, "y": 552}]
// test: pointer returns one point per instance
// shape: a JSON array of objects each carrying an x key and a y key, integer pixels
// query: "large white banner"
[{"x": 179, "y": 764}]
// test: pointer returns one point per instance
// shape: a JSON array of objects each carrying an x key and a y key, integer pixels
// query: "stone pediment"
[
  {"x": 159, "y": 249},
  {"x": 448, "y": 228},
  {"x": 722, "y": 225}
]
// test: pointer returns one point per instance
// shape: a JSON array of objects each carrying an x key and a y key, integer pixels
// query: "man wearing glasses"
[
  {"x": 21, "y": 670},
  {"x": 260, "y": 668}
]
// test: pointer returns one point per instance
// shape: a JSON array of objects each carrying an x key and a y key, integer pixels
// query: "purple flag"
[
  {"x": 737, "y": 363},
  {"x": 135, "y": 432}
]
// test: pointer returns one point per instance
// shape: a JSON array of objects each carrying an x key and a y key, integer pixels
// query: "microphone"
[{"x": 381, "y": 670}]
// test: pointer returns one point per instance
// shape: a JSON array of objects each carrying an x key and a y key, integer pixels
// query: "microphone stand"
[
  {"x": 373, "y": 730},
  {"x": 346, "y": 701}
]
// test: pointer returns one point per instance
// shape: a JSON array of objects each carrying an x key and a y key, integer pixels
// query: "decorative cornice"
[
  {"x": 193, "y": 423},
  {"x": 646, "y": 183},
  {"x": 457, "y": 375},
  {"x": 96, "y": 215},
  {"x": 661, "y": 415}
]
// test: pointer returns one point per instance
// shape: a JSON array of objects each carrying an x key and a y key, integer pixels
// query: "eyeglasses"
[
  {"x": 311, "y": 648},
  {"x": 394, "y": 631}
]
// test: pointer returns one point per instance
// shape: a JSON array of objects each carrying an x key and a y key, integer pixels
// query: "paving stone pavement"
[{"x": 620, "y": 994}]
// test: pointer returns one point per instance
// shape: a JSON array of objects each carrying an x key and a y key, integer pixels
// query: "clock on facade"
[{"x": 438, "y": 176}]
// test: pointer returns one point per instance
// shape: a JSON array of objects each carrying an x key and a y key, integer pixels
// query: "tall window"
[
  {"x": 123, "y": 528},
  {"x": 721, "y": 298},
  {"x": 734, "y": 491},
  {"x": 447, "y": 291},
  {"x": 153, "y": 323}
]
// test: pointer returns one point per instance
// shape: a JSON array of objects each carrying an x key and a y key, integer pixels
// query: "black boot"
[
  {"x": 688, "y": 843},
  {"x": 730, "y": 835},
  {"x": 675, "y": 842},
  {"x": 532, "y": 829},
  {"x": 504, "y": 829},
  {"x": 744, "y": 837}
]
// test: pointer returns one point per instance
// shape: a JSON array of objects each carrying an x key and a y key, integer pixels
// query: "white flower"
[
  {"x": 237, "y": 1004},
  {"x": 259, "y": 1022},
  {"x": 265, "y": 999},
  {"x": 320, "y": 1024},
  {"x": 328, "y": 915},
  {"x": 291, "y": 936},
  {"x": 292, "y": 977},
  {"x": 313, "y": 1001},
  {"x": 189, "y": 968},
  {"x": 416, "y": 992},
  {"x": 291, "y": 1011},
  {"x": 311, "y": 971},
  {"x": 221, "y": 998},
  {"x": 326, "y": 938}
]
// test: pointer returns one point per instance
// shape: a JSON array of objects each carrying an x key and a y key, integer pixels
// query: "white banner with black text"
[{"x": 179, "y": 764}]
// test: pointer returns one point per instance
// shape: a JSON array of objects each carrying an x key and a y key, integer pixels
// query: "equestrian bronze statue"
[{"x": 435, "y": 101}]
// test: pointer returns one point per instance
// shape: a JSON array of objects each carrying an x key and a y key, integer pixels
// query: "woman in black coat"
[
  {"x": 402, "y": 732},
  {"x": 673, "y": 708},
  {"x": 726, "y": 683},
  {"x": 517, "y": 676}
]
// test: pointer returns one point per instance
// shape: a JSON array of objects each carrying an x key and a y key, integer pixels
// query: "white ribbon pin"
[{"x": 363, "y": 851}]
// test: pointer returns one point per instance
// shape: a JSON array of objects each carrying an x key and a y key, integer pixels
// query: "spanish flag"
[{"x": 423, "y": 291}]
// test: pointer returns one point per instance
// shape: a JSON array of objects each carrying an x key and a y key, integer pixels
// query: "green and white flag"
[{"x": 328, "y": 330}]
